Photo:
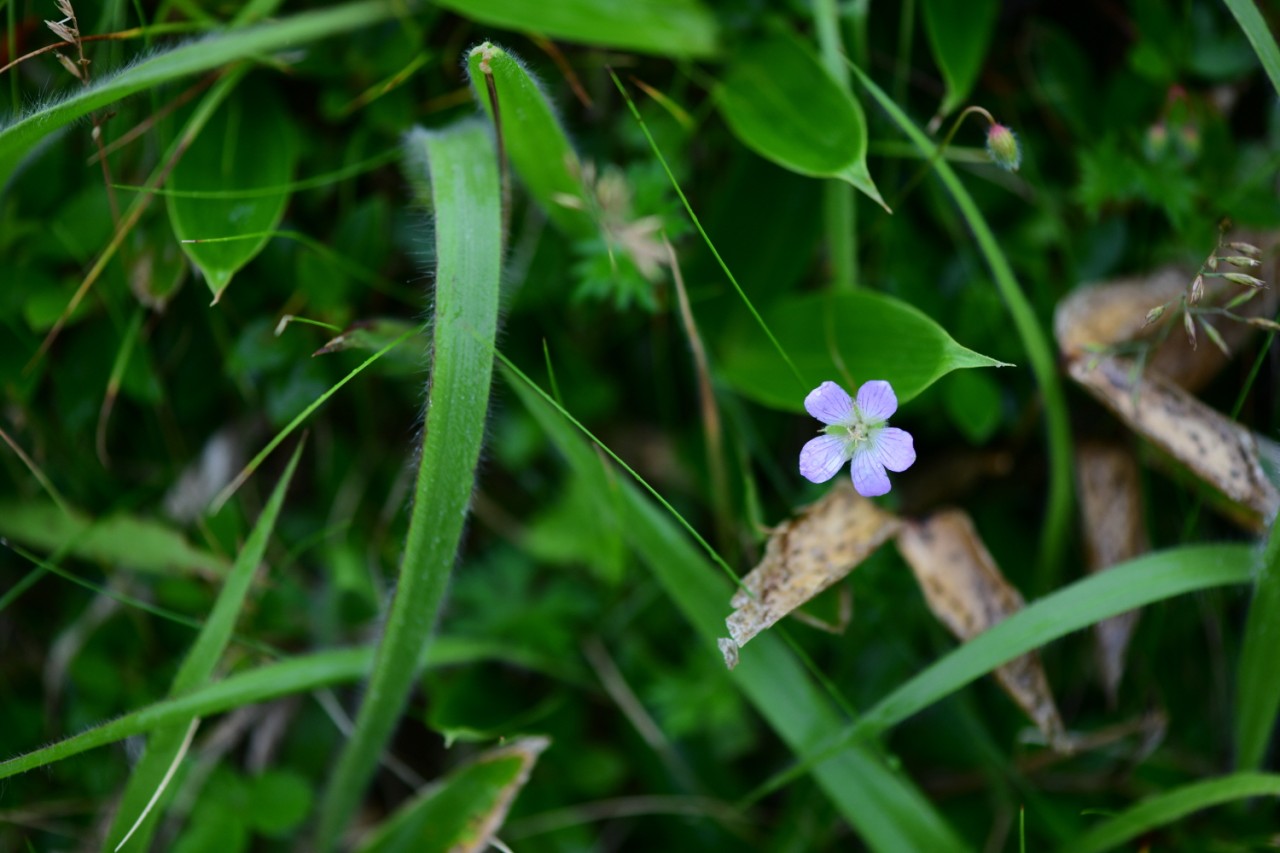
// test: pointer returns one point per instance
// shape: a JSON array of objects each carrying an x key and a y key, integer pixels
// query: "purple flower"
[{"x": 856, "y": 430}]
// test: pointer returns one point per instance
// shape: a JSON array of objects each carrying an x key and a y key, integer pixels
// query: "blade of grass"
[
  {"x": 697, "y": 223},
  {"x": 879, "y": 802},
  {"x": 1255, "y": 30},
  {"x": 1163, "y": 809},
  {"x": 1257, "y": 687},
  {"x": 466, "y": 197},
  {"x": 245, "y": 474},
  {"x": 1127, "y": 586},
  {"x": 164, "y": 745},
  {"x": 1034, "y": 341},
  {"x": 271, "y": 681},
  {"x": 22, "y": 135}
]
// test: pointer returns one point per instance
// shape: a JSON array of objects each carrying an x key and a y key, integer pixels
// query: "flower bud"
[
  {"x": 1190, "y": 326},
  {"x": 1153, "y": 315},
  {"x": 1156, "y": 141},
  {"x": 1197, "y": 289},
  {"x": 1246, "y": 280},
  {"x": 1247, "y": 248},
  {"x": 1241, "y": 261},
  {"x": 1002, "y": 148}
]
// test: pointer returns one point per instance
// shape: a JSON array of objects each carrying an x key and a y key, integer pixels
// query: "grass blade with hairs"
[
  {"x": 536, "y": 143},
  {"x": 20, "y": 137},
  {"x": 465, "y": 196},
  {"x": 166, "y": 742}
]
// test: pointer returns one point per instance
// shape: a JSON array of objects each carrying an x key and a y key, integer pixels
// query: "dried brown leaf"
[
  {"x": 1114, "y": 531},
  {"x": 1211, "y": 446},
  {"x": 820, "y": 545},
  {"x": 967, "y": 593}
]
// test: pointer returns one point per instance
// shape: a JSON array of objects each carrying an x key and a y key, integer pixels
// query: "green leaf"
[
  {"x": 781, "y": 103},
  {"x": 1163, "y": 809},
  {"x": 880, "y": 803},
  {"x": 278, "y": 801},
  {"x": 662, "y": 27},
  {"x": 464, "y": 193},
  {"x": 248, "y": 143},
  {"x": 959, "y": 35},
  {"x": 20, "y": 137},
  {"x": 874, "y": 336},
  {"x": 465, "y": 809},
  {"x": 973, "y": 405},
  {"x": 132, "y": 819},
  {"x": 535, "y": 142},
  {"x": 1259, "y": 35},
  {"x": 121, "y": 540},
  {"x": 1258, "y": 688}
]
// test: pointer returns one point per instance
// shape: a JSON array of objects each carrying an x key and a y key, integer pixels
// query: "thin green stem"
[
  {"x": 838, "y": 196},
  {"x": 697, "y": 223},
  {"x": 1033, "y": 338}
]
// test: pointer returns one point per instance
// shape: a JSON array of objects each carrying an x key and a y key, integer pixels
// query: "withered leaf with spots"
[
  {"x": 1217, "y": 450},
  {"x": 967, "y": 593},
  {"x": 820, "y": 545},
  {"x": 1114, "y": 531}
]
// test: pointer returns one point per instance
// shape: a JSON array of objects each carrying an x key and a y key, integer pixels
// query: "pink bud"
[{"x": 1002, "y": 147}]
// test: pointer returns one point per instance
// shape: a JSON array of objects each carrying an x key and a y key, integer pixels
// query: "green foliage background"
[{"x": 578, "y": 607}]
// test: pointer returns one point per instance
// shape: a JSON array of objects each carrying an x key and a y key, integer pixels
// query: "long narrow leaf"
[
  {"x": 539, "y": 150},
  {"x": 271, "y": 681},
  {"x": 1164, "y": 809},
  {"x": 882, "y": 804},
  {"x": 1127, "y": 586},
  {"x": 20, "y": 137},
  {"x": 1257, "y": 686},
  {"x": 163, "y": 747},
  {"x": 466, "y": 198},
  {"x": 1255, "y": 30}
]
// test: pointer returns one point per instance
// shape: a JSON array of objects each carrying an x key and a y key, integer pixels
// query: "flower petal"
[
  {"x": 822, "y": 457},
  {"x": 869, "y": 478},
  {"x": 877, "y": 400},
  {"x": 830, "y": 404},
  {"x": 894, "y": 448}
]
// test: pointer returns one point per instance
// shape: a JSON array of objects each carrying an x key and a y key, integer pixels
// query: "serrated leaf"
[
  {"x": 249, "y": 143},
  {"x": 873, "y": 336},
  {"x": 780, "y": 101}
]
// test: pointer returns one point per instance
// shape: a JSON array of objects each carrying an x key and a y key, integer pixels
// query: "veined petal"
[
  {"x": 822, "y": 457},
  {"x": 894, "y": 448},
  {"x": 830, "y": 404},
  {"x": 877, "y": 401},
  {"x": 869, "y": 478}
]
